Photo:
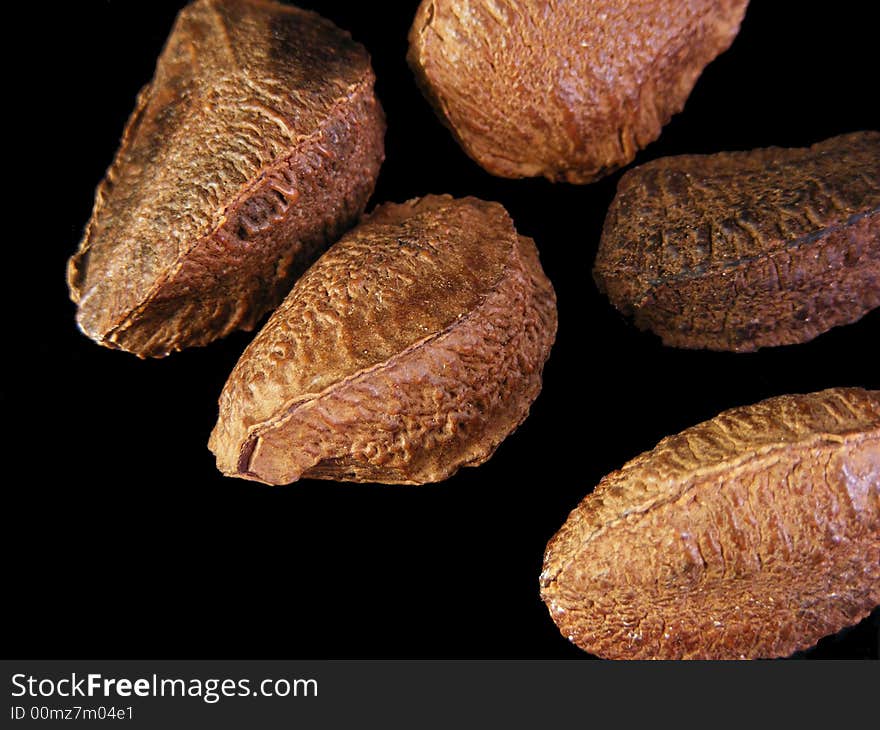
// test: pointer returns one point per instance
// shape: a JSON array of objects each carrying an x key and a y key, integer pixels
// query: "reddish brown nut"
[
  {"x": 751, "y": 535},
  {"x": 413, "y": 347},
  {"x": 256, "y": 144},
  {"x": 742, "y": 250},
  {"x": 568, "y": 90}
]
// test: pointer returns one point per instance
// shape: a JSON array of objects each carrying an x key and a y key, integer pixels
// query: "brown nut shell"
[
  {"x": 256, "y": 144},
  {"x": 569, "y": 90},
  {"x": 751, "y": 535},
  {"x": 742, "y": 250},
  {"x": 413, "y": 347}
]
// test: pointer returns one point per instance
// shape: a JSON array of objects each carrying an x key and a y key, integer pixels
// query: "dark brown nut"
[
  {"x": 567, "y": 90},
  {"x": 256, "y": 144},
  {"x": 742, "y": 250},
  {"x": 413, "y": 347},
  {"x": 751, "y": 535}
]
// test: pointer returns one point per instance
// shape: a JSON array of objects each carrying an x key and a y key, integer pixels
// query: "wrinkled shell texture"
[
  {"x": 413, "y": 347},
  {"x": 751, "y": 535},
  {"x": 570, "y": 90},
  {"x": 256, "y": 144},
  {"x": 742, "y": 250}
]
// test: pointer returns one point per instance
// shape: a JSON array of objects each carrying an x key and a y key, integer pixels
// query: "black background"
[{"x": 122, "y": 538}]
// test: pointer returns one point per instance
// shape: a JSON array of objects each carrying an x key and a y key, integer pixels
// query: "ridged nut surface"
[
  {"x": 413, "y": 347},
  {"x": 569, "y": 89},
  {"x": 751, "y": 535},
  {"x": 743, "y": 250},
  {"x": 255, "y": 145}
]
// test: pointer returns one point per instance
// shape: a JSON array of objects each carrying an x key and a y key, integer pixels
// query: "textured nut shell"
[
  {"x": 742, "y": 250},
  {"x": 751, "y": 535},
  {"x": 570, "y": 90},
  {"x": 256, "y": 144},
  {"x": 413, "y": 347}
]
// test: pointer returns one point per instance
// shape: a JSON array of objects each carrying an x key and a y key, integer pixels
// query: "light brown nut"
[
  {"x": 570, "y": 90},
  {"x": 753, "y": 534},
  {"x": 413, "y": 347},
  {"x": 256, "y": 144},
  {"x": 741, "y": 250}
]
